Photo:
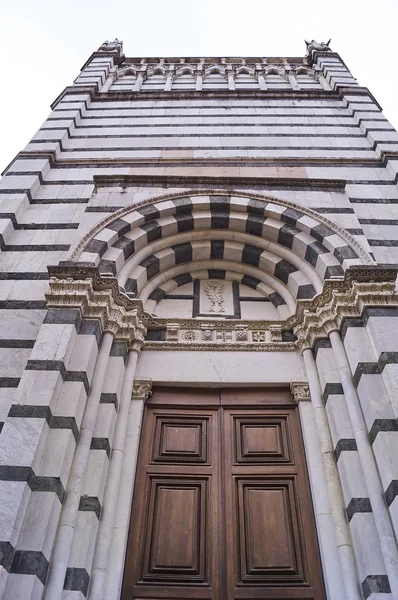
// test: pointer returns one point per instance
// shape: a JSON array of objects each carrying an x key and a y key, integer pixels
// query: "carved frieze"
[{"x": 99, "y": 297}]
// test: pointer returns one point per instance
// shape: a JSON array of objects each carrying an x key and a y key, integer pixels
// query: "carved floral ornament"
[{"x": 100, "y": 298}]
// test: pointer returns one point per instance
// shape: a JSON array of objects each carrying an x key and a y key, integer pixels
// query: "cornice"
[
  {"x": 56, "y": 162},
  {"x": 187, "y": 180},
  {"x": 237, "y": 93},
  {"x": 110, "y": 96},
  {"x": 210, "y": 60}
]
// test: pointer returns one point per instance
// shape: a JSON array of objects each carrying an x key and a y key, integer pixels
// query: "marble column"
[
  {"x": 105, "y": 530},
  {"x": 138, "y": 82},
  {"x": 199, "y": 82},
  {"x": 109, "y": 81},
  {"x": 323, "y": 81},
  {"x": 169, "y": 82},
  {"x": 62, "y": 546},
  {"x": 336, "y": 500},
  {"x": 231, "y": 81},
  {"x": 293, "y": 81},
  {"x": 261, "y": 81},
  {"x": 372, "y": 478},
  {"x": 113, "y": 584},
  {"x": 323, "y": 514}
]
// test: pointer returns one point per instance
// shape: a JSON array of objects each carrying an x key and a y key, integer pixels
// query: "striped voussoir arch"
[{"x": 270, "y": 242}]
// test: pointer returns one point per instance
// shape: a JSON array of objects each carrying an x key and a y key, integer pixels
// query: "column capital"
[
  {"x": 142, "y": 389},
  {"x": 300, "y": 390}
]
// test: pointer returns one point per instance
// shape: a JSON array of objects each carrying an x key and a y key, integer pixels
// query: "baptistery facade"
[{"x": 199, "y": 335}]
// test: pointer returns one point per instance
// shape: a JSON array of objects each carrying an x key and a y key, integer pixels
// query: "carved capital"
[
  {"x": 98, "y": 298},
  {"x": 347, "y": 299},
  {"x": 142, "y": 388},
  {"x": 300, "y": 390}
]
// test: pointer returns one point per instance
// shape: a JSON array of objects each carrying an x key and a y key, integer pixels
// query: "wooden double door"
[{"x": 222, "y": 508}]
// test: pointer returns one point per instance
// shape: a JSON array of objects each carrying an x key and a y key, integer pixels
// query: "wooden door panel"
[
  {"x": 181, "y": 439},
  {"x": 175, "y": 540},
  {"x": 261, "y": 439},
  {"x": 175, "y": 527},
  {"x": 269, "y": 542}
]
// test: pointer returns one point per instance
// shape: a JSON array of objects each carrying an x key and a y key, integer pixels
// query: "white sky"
[{"x": 44, "y": 43}]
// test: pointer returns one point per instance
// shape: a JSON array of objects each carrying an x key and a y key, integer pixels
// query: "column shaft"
[
  {"x": 169, "y": 81},
  {"x": 327, "y": 540},
  {"x": 138, "y": 83},
  {"x": 109, "y": 80},
  {"x": 323, "y": 82},
  {"x": 62, "y": 547},
  {"x": 261, "y": 81},
  {"x": 104, "y": 538},
  {"x": 343, "y": 539},
  {"x": 293, "y": 82},
  {"x": 123, "y": 510},
  {"x": 381, "y": 515}
]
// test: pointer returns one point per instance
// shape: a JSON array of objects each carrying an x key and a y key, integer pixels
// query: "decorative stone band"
[{"x": 98, "y": 298}]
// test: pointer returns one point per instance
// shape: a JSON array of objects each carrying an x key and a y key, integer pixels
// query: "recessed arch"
[
  {"x": 185, "y": 71},
  {"x": 264, "y": 281},
  {"x": 288, "y": 247},
  {"x": 214, "y": 71},
  {"x": 245, "y": 71},
  {"x": 304, "y": 71},
  {"x": 157, "y": 71},
  {"x": 274, "y": 71}
]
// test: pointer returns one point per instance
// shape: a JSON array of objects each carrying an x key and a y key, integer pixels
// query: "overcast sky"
[{"x": 44, "y": 43}]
